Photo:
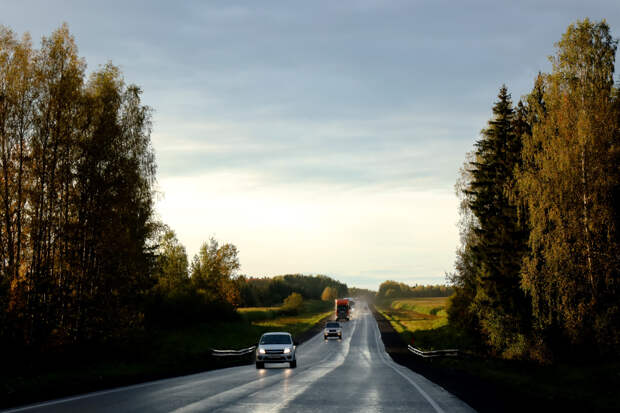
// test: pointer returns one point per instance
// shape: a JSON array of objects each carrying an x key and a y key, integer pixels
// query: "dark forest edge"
[
  {"x": 538, "y": 271},
  {"x": 149, "y": 354}
]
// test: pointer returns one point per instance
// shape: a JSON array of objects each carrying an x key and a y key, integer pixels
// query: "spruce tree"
[{"x": 499, "y": 302}]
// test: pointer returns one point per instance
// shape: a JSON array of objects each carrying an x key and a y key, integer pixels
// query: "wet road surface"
[{"x": 354, "y": 374}]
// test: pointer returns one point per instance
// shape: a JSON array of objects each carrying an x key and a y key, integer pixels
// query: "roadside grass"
[
  {"x": 243, "y": 333},
  {"x": 272, "y": 319},
  {"x": 422, "y": 322},
  {"x": 258, "y": 313},
  {"x": 431, "y": 305},
  {"x": 568, "y": 385},
  {"x": 574, "y": 385},
  {"x": 309, "y": 307},
  {"x": 149, "y": 355}
]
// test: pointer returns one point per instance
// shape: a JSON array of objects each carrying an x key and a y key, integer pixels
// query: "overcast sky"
[{"x": 317, "y": 136}]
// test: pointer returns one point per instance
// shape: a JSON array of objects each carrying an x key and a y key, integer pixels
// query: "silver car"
[
  {"x": 276, "y": 348},
  {"x": 332, "y": 329}
]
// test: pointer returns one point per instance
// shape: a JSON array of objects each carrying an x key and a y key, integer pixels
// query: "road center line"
[
  {"x": 296, "y": 389},
  {"x": 307, "y": 376}
]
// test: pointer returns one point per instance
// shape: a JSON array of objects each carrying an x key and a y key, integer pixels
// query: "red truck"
[{"x": 342, "y": 309}]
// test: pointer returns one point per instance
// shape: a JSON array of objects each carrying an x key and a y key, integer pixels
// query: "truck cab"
[{"x": 342, "y": 309}]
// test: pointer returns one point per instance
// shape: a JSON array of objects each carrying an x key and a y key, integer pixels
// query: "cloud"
[
  {"x": 411, "y": 149},
  {"x": 318, "y": 136}
]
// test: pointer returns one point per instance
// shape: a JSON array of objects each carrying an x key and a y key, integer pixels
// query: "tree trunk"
[{"x": 586, "y": 229}]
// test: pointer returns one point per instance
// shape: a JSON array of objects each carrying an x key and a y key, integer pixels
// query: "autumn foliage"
[
  {"x": 76, "y": 175},
  {"x": 82, "y": 258},
  {"x": 537, "y": 274}
]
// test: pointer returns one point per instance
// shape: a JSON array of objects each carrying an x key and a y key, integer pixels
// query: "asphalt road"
[{"x": 354, "y": 374}]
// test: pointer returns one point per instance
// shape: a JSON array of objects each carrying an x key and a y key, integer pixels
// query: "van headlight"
[
  {"x": 287, "y": 350},
  {"x": 261, "y": 351}
]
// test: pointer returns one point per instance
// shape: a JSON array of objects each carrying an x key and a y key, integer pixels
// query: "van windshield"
[
  {"x": 333, "y": 325},
  {"x": 276, "y": 339}
]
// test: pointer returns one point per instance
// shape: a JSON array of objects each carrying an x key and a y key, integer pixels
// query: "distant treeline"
[
  {"x": 368, "y": 295},
  {"x": 209, "y": 288},
  {"x": 538, "y": 271},
  {"x": 393, "y": 289},
  {"x": 269, "y": 291}
]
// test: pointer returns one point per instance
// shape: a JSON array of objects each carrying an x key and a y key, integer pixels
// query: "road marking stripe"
[
  {"x": 384, "y": 358},
  {"x": 126, "y": 388},
  {"x": 121, "y": 389},
  {"x": 300, "y": 379},
  {"x": 84, "y": 396},
  {"x": 283, "y": 404}
]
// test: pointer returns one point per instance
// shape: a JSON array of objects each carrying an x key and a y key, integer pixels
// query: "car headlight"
[
  {"x": 261, "y": 350},
  {"x": 287, "y": 350}
]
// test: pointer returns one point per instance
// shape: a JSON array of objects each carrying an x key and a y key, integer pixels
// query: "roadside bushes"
[
  {"x": 180, "y": 298},
  {"x": 292, "y": 304},
  {"x": 185, "y": 307},
  {"x": 329, "y": 294}
]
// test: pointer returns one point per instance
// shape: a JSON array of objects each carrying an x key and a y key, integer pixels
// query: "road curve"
[{"x": 354, "y": 374}]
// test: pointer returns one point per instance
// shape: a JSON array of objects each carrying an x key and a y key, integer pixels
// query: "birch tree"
[{"x": 568, "y": 183}]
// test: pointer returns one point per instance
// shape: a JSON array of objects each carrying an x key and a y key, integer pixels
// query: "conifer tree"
[
  {"x": 499, "y": 303},
  {"x": 460, "y": 310}
]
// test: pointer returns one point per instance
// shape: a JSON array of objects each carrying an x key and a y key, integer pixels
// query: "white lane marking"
[
  {"x": 133, "y": 387},
  {"x": 127, "y": 388},
  {"x": 228, "y": 396},
  {"x": 388, "y": 362},
  {"x": 183, "y": 379},
  {"x": 258, "y": 389},
  {"x": 85, "y": 396},
  {"x": 295, "y": 389}
]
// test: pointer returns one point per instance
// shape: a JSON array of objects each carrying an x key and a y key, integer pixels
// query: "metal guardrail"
[
  {"x": 229, "y": 353},
  {"x": 433, "y": 353}
]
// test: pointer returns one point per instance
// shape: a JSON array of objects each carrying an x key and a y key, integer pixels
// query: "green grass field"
[
  {"x": 258, "y": 313},
  {"x": 271, "y": 319},
  {"x": 423, "y": 320},
  {"x": 413, "y": 314}
]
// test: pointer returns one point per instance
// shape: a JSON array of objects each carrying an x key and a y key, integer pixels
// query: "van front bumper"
[{"x": 275, "y": 357}]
